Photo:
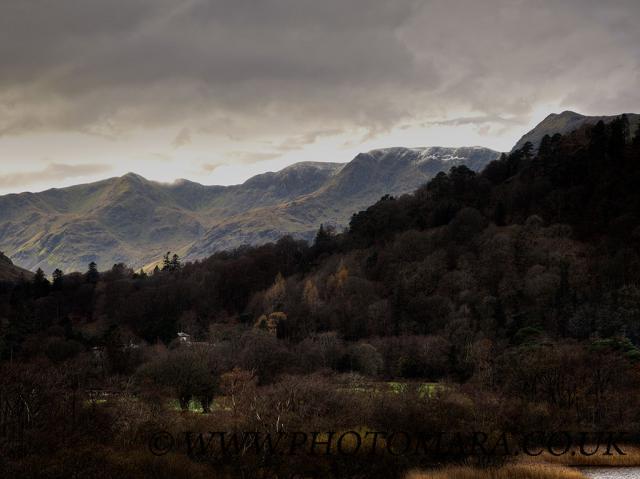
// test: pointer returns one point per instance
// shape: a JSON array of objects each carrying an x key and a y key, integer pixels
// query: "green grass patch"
[
  {"x": 425, "y": 389},
  {"x": 194, "y": 405}
]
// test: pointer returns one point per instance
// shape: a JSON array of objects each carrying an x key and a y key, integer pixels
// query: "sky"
[{"x": 216, "y": 91}]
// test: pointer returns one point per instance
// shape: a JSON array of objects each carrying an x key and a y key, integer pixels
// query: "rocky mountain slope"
[
  {"x": 132, "y": 220},
  {"x": 11, "y": 272},
  {"x": 566, "y": 122},
  {"x": 360, "y": 182}
]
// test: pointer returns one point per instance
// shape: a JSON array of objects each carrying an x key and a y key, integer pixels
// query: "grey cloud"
[
  {"x": 473, "y": 120},
  {"x": 510, "y": 55},
  {"x": 182, "y": 138},
  {"x": 240, "y": 157},
  {"x": 155, "y": 63},
  {"x": 297, "y": 142},
  {"x": 247, "y": 157},
  {"x": 21, "y": 125},
  {"x": 210, "y": 167},
  {"x": 289, "y": 144},
  {"x": 52, "y": 172},
  {"x": 290, "y": 66}
]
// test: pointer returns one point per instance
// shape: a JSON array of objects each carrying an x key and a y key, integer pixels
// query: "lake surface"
[{"x": 612, "y": 472}]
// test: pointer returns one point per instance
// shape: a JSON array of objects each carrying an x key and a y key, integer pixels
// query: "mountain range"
[{"x": 135, "y": 221}]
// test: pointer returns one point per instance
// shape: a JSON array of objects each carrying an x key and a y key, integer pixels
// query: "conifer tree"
[
  {"x": 92, "y": 274},
  {"x": 175, "y": 263},
  {"x": 57, "y": 278}
]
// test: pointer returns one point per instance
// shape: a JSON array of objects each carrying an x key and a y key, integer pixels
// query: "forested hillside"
[
  {"x": 516, "y": 290},
  {"x": 548, "y": 242}
]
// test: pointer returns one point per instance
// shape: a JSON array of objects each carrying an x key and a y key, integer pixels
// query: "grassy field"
[
  {"x": 425, "y": 389},
  {"x": 373, "y": 387},
  {"x": 630, "y": 459},
  {"x": 515, "y": 471},
  {"x": 194, "y": 406}
]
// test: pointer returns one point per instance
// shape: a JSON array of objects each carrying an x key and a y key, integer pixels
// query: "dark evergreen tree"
[
  {"x": 597, "y": 149},
  {"x": 544, "y": 150},
  {"x": 171, "y": 263},
  {"x": 527, "y": 150},
  {"x": 500, "y": 214},
  {"x": 636, "y": 137},
  {"x": 324, "y": 240},
  {"x": 92, "y": 274},
  {"x": 166, "y": 262},
  {"x": 175, "y": 264},
  {"x": 41, "y": 284},
  {"x": 618, "y": 137},
  {"x": 58, "y": 276}
]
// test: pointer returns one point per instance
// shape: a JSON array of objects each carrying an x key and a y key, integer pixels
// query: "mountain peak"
[
  {"x": 133, "y": 176},
  {"x": 129, "y": 184},
  {"x": 302, "y": 177},
  {"x": 319, "y": 165},
  {"x": 565, "y": 123},
  {"x": 184, "y": 182},
  {"x": 569, "y": 113},
  {"x": 424, "y": 154}
]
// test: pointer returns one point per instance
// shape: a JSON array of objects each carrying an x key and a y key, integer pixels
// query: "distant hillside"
[
  {"x": 364, "y": 180},
  {"x": 566, "y": 122},
  {"x": 132, "y": 220},
  {"x": 11, "y": 272}
]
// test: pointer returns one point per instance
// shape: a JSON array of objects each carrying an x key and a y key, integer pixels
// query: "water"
[{"x": 611, "y": 472}]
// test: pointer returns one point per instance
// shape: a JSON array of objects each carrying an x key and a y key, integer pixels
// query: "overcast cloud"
[
  {"x": 204, "y": 83},
  {"x": 51, "y": 172}
]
